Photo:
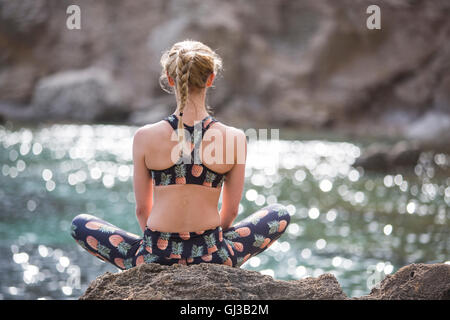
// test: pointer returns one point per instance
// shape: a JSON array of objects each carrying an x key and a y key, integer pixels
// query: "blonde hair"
[{"x": 190, "y": 63}]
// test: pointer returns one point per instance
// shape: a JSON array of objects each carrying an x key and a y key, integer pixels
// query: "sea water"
[{"x": 359, "y": 226}]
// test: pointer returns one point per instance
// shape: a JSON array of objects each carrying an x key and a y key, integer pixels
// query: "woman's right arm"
[{"x": 234, "y": 182}]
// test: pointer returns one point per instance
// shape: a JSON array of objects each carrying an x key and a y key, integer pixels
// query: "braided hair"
[
  {"x": 184, "y": 64},
  {"x": 190, "y": 63}
]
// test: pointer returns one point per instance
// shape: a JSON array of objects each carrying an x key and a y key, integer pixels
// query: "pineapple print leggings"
[{"x": 232, "y": 247}]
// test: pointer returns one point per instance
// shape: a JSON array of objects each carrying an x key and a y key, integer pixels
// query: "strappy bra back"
[{"x": 189, "y": 170}]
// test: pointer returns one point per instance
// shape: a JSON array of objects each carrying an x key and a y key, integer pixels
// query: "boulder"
[
  {"x": 415, "y": 282},
  {"x": 218, "y": 282},
  {"x": 207, "y": 281},
  {"x": 79, "y": 95},
  {"x": 382, "y": 157},
  {"x": 433, "y": 128},
  {"x": 375, "y": 158}
]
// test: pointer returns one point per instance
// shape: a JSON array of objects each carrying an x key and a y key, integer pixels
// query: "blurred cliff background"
[
  {"x": 363, "y": 164},
  {"x": 298, "y": 64}
]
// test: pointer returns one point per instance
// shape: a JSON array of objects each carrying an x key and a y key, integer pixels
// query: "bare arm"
[
  {"x": 142, "y": 180},
  {"x": 234, "y": 183}
]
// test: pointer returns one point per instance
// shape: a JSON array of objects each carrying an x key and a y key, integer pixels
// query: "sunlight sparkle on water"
[
  {"x": 47, "y": 174},
  {"x": 43, "y": 251},
  {"x": 254, "y": 262},
  {"x": 321, "y": 243},
  {"x": 411, "y": 207},
  {"x": 306, "y": 253},
  {"x": 331, "y": 215},
  {"x": 20, "y": 258},
  {"x": 387, "y": 229},
  {"x": 31, "y": 205},
  {"x": 251, "y": 195},
  {"x": 336, "y": 261},
  {"x": 325, "y": 185},
  {"x": 313, "y": 213},
  {"x": 338, "y": 211},
  {"x": 300, "y": 271}
]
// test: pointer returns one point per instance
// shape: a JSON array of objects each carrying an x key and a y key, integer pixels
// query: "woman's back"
[
  {"x": 176, "y": 192},
  {"x": 184, "y": 205}
]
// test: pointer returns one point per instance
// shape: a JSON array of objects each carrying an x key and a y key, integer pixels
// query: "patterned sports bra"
[{"x": 189, "y": 170}]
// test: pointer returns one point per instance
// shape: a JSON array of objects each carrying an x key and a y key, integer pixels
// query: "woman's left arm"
[{"x": 142, "y": 180}]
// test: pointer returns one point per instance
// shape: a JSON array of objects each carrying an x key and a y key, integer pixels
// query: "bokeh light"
[{"x": 344, "y": 220}]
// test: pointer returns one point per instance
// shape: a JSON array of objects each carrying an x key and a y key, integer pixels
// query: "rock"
[
  {"x": 17, "y": 112},
  {"x": 382, "y": 157},
  {"x": 207, "y": 281},
  {"x": 310, "y": 64},
  {"x": 218, "y": 282},
  {"x": 375, "y": 157},
  {"x": 152, "y": 115},
  {"x": 404, "y": 154},
  {"x": 26, "y": 16},
  {"x": 415, "y": 282},
  {"x": 433, "y": 128},
  {"x": 80, "y": 95},
  {"x": 151, "y": 111}
]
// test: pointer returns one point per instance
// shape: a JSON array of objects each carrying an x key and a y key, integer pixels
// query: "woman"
[{"x": 181, "y": 164}]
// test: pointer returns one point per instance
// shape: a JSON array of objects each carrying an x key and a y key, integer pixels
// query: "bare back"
[{"x": 190, "y": 207}]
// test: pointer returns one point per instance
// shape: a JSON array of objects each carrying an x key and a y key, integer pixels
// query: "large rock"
[
  {"x": 207, "y": 281},
  {"x": 415, "y": 282},
  {"x": 383, "y": 157},
  {"x": 433, "y": 128},
  {"x": 80, "y": 95},
  {"x": 212, "y": 281}
]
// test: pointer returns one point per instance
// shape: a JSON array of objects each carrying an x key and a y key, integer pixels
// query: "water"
[{"x": 360, "y": 226}]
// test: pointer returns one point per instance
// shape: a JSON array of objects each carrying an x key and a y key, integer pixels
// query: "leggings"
[{"x": 232, "y": 246}]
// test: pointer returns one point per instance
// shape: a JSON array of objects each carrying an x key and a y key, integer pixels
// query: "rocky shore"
[{"x": 217, "y": 282}]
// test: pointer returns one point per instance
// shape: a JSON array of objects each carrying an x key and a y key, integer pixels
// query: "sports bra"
[{"x": 189, "y": 172}]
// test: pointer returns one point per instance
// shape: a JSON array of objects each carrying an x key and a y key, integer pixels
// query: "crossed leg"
[
  {"x": 244, "y": 240},
  {"x": 256, "y": 233},
  {"x": 105, "y": 241}
]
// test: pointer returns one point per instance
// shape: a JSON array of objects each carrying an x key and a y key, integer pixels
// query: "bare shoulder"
[
  {"x": 151, "y": 132},
  {"x": 234, "y": 140},
  {"x": 229, "y": 132}
]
